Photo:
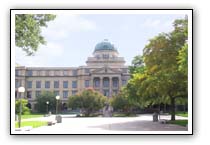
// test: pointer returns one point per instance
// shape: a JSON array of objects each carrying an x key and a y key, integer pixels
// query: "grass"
[
  {"x": 31, "y": 116},
  {"x": 183, "y": 114},
  {"x": 179, "y": 122},
  {"x": 123, "y": 115},
  {"x": 34, "y": 124}
]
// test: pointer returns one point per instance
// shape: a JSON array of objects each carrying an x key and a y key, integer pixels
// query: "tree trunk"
[{"x": 172, "y": 108}]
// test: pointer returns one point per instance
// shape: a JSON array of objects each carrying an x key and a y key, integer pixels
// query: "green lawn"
[
  {"x": 183, "y": 114},
  {"x": 31, "y": 116},
  {"x": 123, "y": 115},
  {"x": 34, "y": 124},
  {"x": 179, "y": 122}
]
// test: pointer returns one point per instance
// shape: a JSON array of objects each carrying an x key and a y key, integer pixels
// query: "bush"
[
  {"x": 89, "y": 101},
  {"x": 25, "y": 109},
  {"x": 42, "y": 99}
]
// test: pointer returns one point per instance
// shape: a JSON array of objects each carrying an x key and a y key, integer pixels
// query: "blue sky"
[{"x": 72, "y": 38}]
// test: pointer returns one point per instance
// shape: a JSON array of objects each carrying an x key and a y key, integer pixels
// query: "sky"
[{"x": 71, "y": 38}]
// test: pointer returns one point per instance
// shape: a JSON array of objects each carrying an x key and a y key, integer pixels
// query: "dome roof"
[{"x": 105, "y": 45}]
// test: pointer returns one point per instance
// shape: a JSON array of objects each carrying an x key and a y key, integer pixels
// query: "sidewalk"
[{"x": 110, "y": 125}]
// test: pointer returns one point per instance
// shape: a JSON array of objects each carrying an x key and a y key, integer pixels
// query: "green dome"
[{"x": 105, "y": 45}]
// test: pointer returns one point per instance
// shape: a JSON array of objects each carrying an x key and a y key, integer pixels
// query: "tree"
[
  {"x": 28, "y": 31},
  {"x": 42, "y": 99},
  {"x": 121, "y": 103},
  {"x": 161, "y": 80},
  {"x": 161, "y": 61},
  {"x": 183, "y": 59},
  {"x": 25, "y": 109},
  {"x": 88, "y": 101},
  {"x": 137, "y": 65}
]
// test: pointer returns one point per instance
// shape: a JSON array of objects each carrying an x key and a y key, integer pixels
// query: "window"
[
  {"x": 16, "y": 72},
  {"x": 65, "y": 84},
  {"x": 56, "y": 84},
  {"x": 74, "y": 84},
  {"x": 106, "y": 92},
  {"x": 16, "y": 93},
  {"x": 65, "y": 73},
  {"x": 38, "y": 93},
  {"x": 106, "y": 56},
  {"x": 124, "y": 82},
  {"x": 17, "y": 83},
  {"x": 74, "y": 92},
  {"x": 38, "y": 84},
  {"x": 87, "y": 70},
  {"x": 65, "y": 94},
  {"x": 29, "y": 94},
  {"x": 29, "y": 84},
  {"x": 96, "y": 83},
  {"x": 56, "y": 93},
  {"x": 106, "y": 82},
  {"x": 47, "y": 84},
  {"x": 115, "y": 83},
  {"x": 115, "y": 92},
  {"x": 87, "y": 83},
  {"x": 74, "y": 72},
  {"x": 29, "y": 73}
]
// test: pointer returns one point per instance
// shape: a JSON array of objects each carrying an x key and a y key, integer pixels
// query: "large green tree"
[
  {"x": 161, "y": 80},
  {"x": 120, "y": 102},
  {"x": 41, "y": 100},
  {"x": 28, "y": 31},
  {"x": 137, "y": 65},
  {"x": 88, "y": 101},
  {"x": 183, "y": 59}
]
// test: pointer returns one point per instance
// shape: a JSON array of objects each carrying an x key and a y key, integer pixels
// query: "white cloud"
[
  {"x": 167, "y": 25},
  {"x": 62, "y": 27},
  {"x": 151, "y": 23},
  {"x": 40, "y": 58},
  {"x": 64, "y": 24}
]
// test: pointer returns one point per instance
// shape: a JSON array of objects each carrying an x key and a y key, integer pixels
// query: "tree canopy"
[
  {"x": 25, "y": 109},
  {"x": 42, "y": 99},
  {"x": 88, "y": 101},
  {"x": 28, "y": 31},
  {"x": 163, "y": 71}
]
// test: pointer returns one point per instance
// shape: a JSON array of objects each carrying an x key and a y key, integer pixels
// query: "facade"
[{"x": 105, "y": 72}]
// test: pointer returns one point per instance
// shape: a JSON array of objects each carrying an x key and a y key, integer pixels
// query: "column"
[
  {"x": 120, "y": 82},
  {"x": 101, "y": 85},
  {"x": 92, "y": 82},
  {"x": 110, "y": 86}
]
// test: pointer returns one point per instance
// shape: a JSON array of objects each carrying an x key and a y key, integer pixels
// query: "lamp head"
[
  {"x": 57, "y": 97},
  {"x": 21, "y": 89}
]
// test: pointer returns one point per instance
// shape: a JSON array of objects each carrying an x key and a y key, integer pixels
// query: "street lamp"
[
  {"x": 57, "y": 98},
  {"x": 47, "y": 106},
  {"x": 20, "y": 90}
]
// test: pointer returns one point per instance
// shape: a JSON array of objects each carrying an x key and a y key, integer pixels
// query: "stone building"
[{"x": 105, "y": 72}]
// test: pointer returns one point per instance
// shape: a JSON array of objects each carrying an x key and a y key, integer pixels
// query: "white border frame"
[{"x": 128, "y": 11}]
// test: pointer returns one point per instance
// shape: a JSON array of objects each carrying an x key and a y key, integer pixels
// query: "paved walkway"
[{"x": 102, "y": 125}]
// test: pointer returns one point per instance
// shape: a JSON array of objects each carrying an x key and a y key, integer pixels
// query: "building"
[{"x": 105, "y": 72}]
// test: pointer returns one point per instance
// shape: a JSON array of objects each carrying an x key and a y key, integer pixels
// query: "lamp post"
[
  {"x": 47, "y": 106},
  {"x": 20, "y": 90},
  {"x": 57, "y": 98}
]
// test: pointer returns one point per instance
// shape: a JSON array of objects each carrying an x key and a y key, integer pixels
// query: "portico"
[{"x": 108, "y": 85}]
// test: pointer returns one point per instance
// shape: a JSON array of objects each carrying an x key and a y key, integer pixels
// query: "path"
[{"x": 103, "y": 125}]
